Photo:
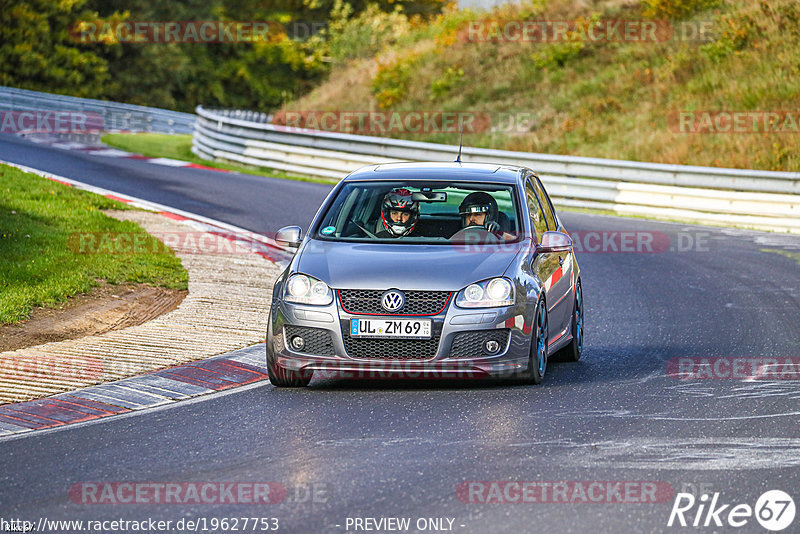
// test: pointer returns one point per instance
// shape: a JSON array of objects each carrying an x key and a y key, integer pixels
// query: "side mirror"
[
  {"x": 289, "y": 236},
  {"x": 555, "y": 242}
]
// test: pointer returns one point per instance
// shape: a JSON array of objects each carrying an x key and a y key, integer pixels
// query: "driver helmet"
[
  {"x": 399, "y": 200},
  {"x": 479, "y": 202}
]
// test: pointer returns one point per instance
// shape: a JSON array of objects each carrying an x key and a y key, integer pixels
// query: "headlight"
[
  {"x": 307, "y": 290},
  {"x": 487, "y": 294}
]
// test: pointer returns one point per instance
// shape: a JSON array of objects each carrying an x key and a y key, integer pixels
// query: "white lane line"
[
  {"x": 110, "y": 152},
  {"x": 169, "y": 162},
  {"x": 71, "y": 146}
]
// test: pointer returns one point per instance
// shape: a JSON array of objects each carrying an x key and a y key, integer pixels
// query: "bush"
[
  {"x": 391, "y": 82},
  {"x": 675, "y": 9},
  {"x": 736, "y": 33},
  {"x": 446, "y": 82},
  {"x": 365, "y": 34}
]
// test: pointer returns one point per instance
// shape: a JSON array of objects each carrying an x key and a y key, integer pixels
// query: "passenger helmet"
[{"x": 399, "y": 200}]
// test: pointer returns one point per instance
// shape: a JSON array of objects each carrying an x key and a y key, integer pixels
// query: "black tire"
[
  {"x": 573, "y": 351},
  {"x": 285, "y": 378},
  {"x": 537, "y": 360}
]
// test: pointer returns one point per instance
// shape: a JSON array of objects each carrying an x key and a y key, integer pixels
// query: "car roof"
[{"x": 438, "y": 170}]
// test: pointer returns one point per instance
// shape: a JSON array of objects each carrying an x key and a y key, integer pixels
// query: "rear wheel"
[
  {"x": 573, "y": 351},
  {"x": 537, "y": 361}
]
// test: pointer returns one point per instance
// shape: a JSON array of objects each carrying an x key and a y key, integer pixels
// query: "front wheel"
[
  {"x": 537, "y": 361},
  {"x": 573, "y": 351},
  {"x": 285, "y": 378}
]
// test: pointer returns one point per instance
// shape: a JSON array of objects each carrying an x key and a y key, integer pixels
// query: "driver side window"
[{"x": 538, "y": 221}]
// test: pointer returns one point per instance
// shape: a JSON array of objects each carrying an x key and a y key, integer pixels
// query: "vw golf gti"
[{"x": 427, "y": 269}]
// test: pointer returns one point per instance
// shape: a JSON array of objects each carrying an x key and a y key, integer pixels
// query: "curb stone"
[{"x": 164, "y": 386}]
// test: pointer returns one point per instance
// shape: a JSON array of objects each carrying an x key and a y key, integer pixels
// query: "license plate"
[{"x": 391, "y": 328}]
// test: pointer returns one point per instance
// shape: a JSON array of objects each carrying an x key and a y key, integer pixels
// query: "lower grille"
[
  {"x": 470, "y": 344},
  {"x": 391, "y": 349},
  {"x": 317, "y": 340}
]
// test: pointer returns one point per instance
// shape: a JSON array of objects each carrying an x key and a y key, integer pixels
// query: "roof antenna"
[{"x": 460, "y": 141}]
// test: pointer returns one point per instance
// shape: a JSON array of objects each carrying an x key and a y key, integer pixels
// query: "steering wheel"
[{"x": 474, "y": 234}]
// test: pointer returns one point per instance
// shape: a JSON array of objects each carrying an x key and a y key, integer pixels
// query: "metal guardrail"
[
  {"x": 761, "y": 200},
  {"x": 108, "y": 116}
]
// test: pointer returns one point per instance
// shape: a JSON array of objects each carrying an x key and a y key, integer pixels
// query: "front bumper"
[{"x": 455, "y": 350}]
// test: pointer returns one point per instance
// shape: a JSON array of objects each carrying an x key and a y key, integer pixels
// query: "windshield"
[{"x": 422, "y": 212}]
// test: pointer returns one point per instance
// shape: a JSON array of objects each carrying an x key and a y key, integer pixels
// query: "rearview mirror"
[
  {"x": 429, "y": 196},
  {"x": 555, "y": 242},
  {"x": 289, "y": 236}
]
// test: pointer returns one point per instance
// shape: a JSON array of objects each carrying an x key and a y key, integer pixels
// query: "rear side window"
[
  {"x": 546, "y": 207},
  {"x": 538, "y": 221},
  {"x": 549, "y": 210}
]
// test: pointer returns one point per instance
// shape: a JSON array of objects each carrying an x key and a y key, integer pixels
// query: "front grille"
[
  {"x": 318, "y": 341},
  {"x": 470, "y": 344},
  {"x": 368, "y": 301},
  {"x": 391, "y": 349}
]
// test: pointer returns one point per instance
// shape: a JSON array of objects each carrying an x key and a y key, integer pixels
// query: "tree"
[{"x": 37, "y": 53}]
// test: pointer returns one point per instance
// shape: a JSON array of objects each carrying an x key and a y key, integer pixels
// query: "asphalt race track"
[
  {"x": 380, "y": 449},
  {"x": 254, "y": 202}
]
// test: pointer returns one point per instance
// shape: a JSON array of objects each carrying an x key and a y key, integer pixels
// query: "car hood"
[{"x": 409, "y": 267}]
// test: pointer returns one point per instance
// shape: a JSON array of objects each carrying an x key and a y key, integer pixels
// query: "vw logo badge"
[{"x": 393, "y": 300}]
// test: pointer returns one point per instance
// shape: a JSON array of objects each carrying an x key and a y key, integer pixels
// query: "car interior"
[{"x": 438, "y": 219}]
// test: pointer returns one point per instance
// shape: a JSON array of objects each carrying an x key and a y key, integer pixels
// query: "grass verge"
[
  {"x": 38, "y": 267},
  {"x": 179, "y": 146}
]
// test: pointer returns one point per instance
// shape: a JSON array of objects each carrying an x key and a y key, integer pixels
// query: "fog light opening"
[
  {"x": 298, "y": 343},
  {"x": 491, "y": 346}
]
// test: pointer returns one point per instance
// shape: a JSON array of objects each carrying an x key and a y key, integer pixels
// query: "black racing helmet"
[
  {"x": 399, "y": 200},
  {"x": 479, "y": 202}
]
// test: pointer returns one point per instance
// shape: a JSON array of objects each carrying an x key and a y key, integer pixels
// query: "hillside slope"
[{"x": 668, "y": 96}]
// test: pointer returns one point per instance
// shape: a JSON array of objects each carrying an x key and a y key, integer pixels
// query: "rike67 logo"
[{"x": 774, "y": 510}]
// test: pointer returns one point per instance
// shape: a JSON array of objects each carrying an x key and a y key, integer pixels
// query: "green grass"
[
  {"x": 154, "y": 145},
  {"x": 179, "y": 146},
  {"x": 40, "y": 222}
]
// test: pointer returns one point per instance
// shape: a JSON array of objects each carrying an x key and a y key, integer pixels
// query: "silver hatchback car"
[{"x": 427, "y": 270}]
